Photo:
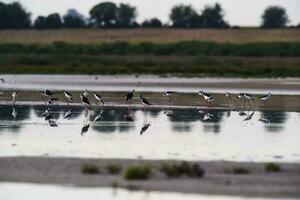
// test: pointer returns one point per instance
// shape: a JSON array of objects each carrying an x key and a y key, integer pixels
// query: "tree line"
[{"x": 111, "y": 15}]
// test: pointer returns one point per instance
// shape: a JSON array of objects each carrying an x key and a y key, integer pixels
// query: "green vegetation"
[
  {"x": 138, "y": 172},
  {"x": 184, "y": 168},
  {"x": 240, "y": 170},
  {"x": 192, "y": 48},
  {"x": 113, "y": 169},
  {"x": 272, "y": 167},
  {"x": 160, "y": 65},
  {"x": 89, "y": 169}
]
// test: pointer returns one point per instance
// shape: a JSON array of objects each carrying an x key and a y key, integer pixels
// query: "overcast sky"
[{"x": 238, "y": 12}]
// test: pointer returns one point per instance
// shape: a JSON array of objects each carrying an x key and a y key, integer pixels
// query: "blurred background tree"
[
  {"x": 152, "y": 23},
  {"x": 14, "y": 16},
  {"x": 73, "y": 19},
  {"x": 126, "y": 15},
  {"x": 274, "y": 17},
  {"x": 104, "y": 15}
]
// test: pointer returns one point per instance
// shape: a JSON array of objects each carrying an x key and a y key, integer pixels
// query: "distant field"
[{"x": 150, "y": 35}]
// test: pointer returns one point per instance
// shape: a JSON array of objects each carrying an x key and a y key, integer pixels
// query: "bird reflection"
[
  {"x": 14, "y": 113},
  {"x": 207, "y": 117},
  {"x": 228, "y": 113},
  {"x": 249, "y": 117},
  {"x": 144, "y": 128},
  {"x": 99, "y": 116},
  {"x": 52, "y": 123},
  {"x": 85, "y": 129},
  {"x": 169, "y": 113},
  {"x": 128, "y": 118},
  {"x": 264, "y": 120},
  {"x": 68, "y": 114}
]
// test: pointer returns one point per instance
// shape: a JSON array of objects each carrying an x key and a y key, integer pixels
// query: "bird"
[
  {"x": 129, "y": 96},
  {"x": 168, "y": 94},
  {"x": 14, "y": 113},
  {"x": 47, "y": 93},
  {"x": 144, "y": 101},
  {"x": 86, "y": 93},
  {"x": 68, "y": 95},
  {"x": 249, "y": 97},
  {"x": 68, "y": 114},
  {"x": 14, "y": 96},
  {"x": 84, "y": 100},
  {"x": 208, "y": 98},
  {"x": 249, "y": 117},
  {"x": 85, "y": 129},
  {"x": 144, "y": 128},
  {"x": 98, "y": 98},
  {"x": 265, "y": 98},
  {"x": 52, "y": 100},
  {"x": 98, "y": 116},
  {"x": 228, "y": 95}
]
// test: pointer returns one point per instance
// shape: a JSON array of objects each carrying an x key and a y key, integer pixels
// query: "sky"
[{"x": 238, "y": 12}]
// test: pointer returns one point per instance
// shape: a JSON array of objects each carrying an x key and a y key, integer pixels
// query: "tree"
[
  {"x": 53, "y": 21},
  {"x": 40, "y": 23},
  {"x": 13, "y": 16},
  {"x": 213, "y": 17},
  {"x": 274, "y": 17},
  {"x": 183, "y": 16},
  {"x": 104, "y": 14},
  {"x": 126, "y": 15},
  {"x": 152, "y": 23},
  {"x": 73, "y": 19}
]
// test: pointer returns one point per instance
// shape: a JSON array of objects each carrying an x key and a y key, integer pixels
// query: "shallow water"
[
  {"x": 18, "y": 191},
  {"x": 172, "y": 134}
]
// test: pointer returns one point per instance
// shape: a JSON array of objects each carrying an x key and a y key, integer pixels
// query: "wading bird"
[
  {"x": 14, "y": 96},
  {"x": 52, "y": 100},
  {"x": 144, "y": 101},
  {"x": 98, "y": 98},
  {"x": 84, "y": 100},
  {"x": 69, "y": 96},
  {"x": 129, "y": 96},
  {"x": 86, "y": 93},
  {"x": 168, "y": 94},
  {"x": 208, "y": 98},
  {"x": 265, "y": 98}
]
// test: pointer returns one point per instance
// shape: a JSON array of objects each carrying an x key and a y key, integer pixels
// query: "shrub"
[
  {"x": 113, "y": 169},
  {"x": 272, "y": 167},
  {"x": 184, "y": 168},
  {"x": 137, "y": 172},
  {"x": 89, "y": 169},
  {"x": 240, "y": 170}
]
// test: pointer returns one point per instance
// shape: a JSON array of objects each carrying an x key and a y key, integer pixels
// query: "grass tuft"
[
  {"x": 89, "y": 169},
  {"x": 240, "y": 170},
  {"x": 272, "y": 167},
  {"x": 113, "y": 169},
  {"x": 138, "y": 172},
  {"x": 184, "y": 168}
]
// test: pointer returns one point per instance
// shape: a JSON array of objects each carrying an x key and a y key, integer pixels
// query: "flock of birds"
[{"x": 84, "y": 97}]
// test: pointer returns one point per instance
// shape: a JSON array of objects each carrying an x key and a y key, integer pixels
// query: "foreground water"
[
  {"x": 18, "y": 191},
  {"x": 154, "y": 134}
]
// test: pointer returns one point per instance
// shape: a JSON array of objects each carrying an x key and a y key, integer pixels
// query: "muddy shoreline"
[{"x": 217, "y": 180}]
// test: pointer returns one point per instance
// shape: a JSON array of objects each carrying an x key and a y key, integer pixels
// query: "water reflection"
[{"x": 180, "y": 133}]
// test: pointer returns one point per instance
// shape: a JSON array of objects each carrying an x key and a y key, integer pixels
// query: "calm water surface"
[
  {"x": 20, "y": 191},
  {"x": 167, "y": 134}
]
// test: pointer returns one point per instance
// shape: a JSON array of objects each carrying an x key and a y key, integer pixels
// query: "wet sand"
[
  {"x": 178, "y": 100},
  {"x": 217, "y": 179},
  {"x": 150, "y": 83}
]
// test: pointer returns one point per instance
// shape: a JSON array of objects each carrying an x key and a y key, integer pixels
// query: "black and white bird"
[
  {"x": 144, "y": 101},
  {"x": 69, "y": 96},
  {"x": 84, "y": 100},
  {"x": 248, "y": 97},
  {"x": 98, "y": 98},
  {"x": 68, "y": 114},
  {"x": 129, "y": 96},
  {"x": 208, "y": 98},
  {"x": 14, "y": 96},
  {"x": 265, "y": 97},
  {"x": 86, "y": 93},
  {"x": 52, "y": 100},
  {"x": 47, "y": 93},
  {"x": 228, "y": 95},
  {"x": 144, "y": 128},
  {"x": 168, "y": 94}
]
